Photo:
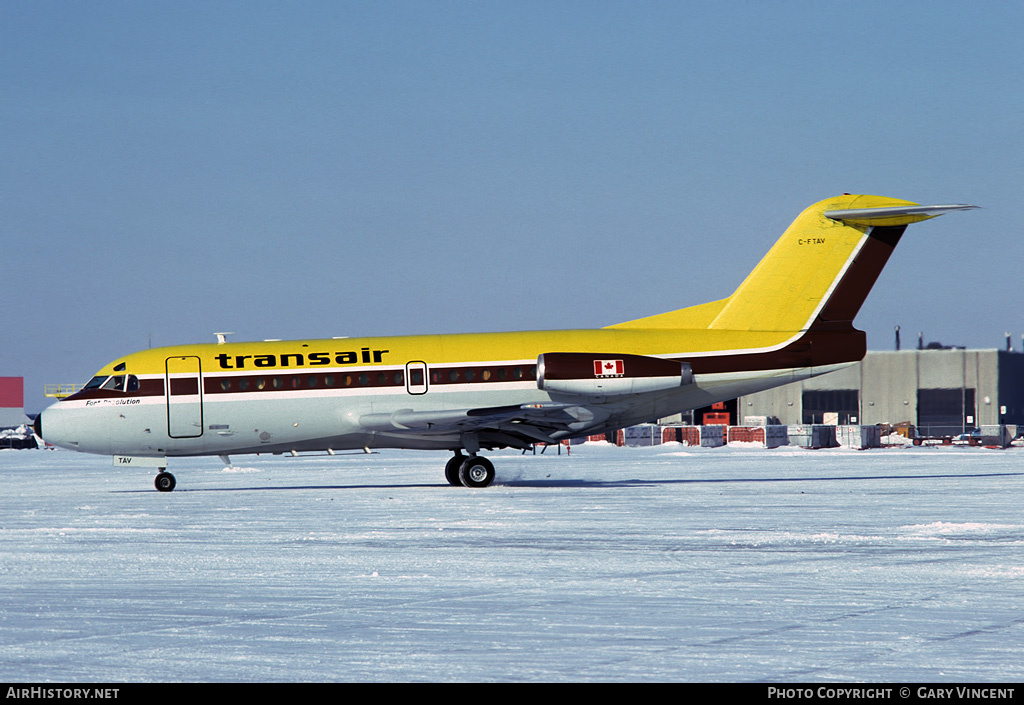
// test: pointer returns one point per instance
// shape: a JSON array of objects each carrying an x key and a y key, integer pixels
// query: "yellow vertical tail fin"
[{"x": 819, "y": 271}]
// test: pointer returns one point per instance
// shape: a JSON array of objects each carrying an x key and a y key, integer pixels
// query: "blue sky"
[{"x": 316, "y": 169}]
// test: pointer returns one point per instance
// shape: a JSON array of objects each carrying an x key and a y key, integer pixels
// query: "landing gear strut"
[
  {"x": 469, "y": 471},
  {"x": 164, "y": 481}
]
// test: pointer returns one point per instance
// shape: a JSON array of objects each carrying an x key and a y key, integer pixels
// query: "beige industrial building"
[{"x": 940, "y": 391}]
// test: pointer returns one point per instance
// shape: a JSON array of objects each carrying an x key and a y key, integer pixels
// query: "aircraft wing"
[{"x": 517, "y": 426}]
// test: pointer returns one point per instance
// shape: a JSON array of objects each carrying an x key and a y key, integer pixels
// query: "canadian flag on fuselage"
[{"x": 609, "y": 368}]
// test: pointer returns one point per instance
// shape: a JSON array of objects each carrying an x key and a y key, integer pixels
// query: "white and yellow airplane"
[{"x": 790, "y": 319}]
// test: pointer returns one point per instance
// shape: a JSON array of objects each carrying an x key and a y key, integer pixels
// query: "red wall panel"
[{"x": 12, "y": 392}]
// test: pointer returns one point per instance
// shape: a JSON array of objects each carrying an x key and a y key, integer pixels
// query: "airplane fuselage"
[
  {"x": 311, "y": 395},
  {"x": 790, "y": 319}
]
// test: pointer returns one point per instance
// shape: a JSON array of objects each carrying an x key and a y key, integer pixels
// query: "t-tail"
[{"x": 816, "y": 277}]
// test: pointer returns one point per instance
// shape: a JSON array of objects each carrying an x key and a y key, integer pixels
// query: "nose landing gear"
[{"x": 164, "y": 481}]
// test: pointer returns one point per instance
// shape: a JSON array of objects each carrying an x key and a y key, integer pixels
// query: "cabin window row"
[
  {"x": 256, "y": 384},
  {"x": 391, "y": 378},
  {"x": 482, "y": 374}
]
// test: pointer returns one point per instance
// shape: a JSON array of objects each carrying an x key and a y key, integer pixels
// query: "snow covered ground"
[{"x": 665, "y": 563}]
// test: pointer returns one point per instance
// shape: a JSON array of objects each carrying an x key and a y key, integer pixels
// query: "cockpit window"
[
  {"x": 117, "y": 383},
  {"x": 95, "y": 382}
]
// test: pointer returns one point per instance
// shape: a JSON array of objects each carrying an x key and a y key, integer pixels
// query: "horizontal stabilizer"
[{"x": 897, "y": 215}]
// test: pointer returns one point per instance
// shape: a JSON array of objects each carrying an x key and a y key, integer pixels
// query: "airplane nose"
[
  {"x": 56, "y": 427},
  {"x": 67, "y": 428}
]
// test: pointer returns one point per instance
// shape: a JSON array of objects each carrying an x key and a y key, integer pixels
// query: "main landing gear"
[
  {"x": 164, "y": 481},
  {"x": 469, "y": 471}
]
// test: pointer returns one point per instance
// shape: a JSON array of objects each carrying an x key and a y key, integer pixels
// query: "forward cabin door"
[{"x": 184, "y": 397}]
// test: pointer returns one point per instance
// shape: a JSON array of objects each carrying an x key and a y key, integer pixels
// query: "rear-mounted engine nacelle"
[{"x": 609, "y": 373}]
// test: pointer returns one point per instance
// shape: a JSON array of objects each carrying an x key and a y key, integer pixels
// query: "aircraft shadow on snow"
[{"x": 546, "y": 483}]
